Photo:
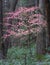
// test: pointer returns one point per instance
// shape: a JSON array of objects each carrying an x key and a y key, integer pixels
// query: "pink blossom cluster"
[{"x": 22, "y": 17}]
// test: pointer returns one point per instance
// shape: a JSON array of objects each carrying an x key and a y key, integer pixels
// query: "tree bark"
[
  {"x": 48, "y": 18},
  {"x": 42, "y": 36},
  {"x": 1, "y": 29}
]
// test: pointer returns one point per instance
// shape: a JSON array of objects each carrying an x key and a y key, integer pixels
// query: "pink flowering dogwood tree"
[{"x": 27, "y": 17}]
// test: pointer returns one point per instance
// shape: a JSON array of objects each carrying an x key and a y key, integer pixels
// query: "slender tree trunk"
[
  {"x": 42, "y": 36},
  {"x": 6, "y": 42},
  {"x": 1, "y": 28},
  {"x": 48, "y": 18}
]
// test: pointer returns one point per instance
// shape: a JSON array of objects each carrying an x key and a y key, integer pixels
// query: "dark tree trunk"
[
  {"x": 48, "y": 17},
  {"x": 41, "y": 41},
  {"x": 13, "y": 4},
  {"x": 1, "y": 28},
  {"x": 42, "y": 36}
]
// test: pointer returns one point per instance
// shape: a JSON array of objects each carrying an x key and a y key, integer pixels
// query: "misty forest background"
[{"x": 24, "y": 32}]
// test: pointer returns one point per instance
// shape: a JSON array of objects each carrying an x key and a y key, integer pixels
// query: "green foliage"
[
  {"x": 23, "y": 27},
  {"x": 20, "y": 56},
  {"x": 40, "y": 57},
  {"x": 48, "y": 48},
  {"x": 27, "y": 2}
]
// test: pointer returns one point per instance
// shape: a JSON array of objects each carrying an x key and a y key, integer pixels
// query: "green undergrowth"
[{"x": 25, "y": 56}]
